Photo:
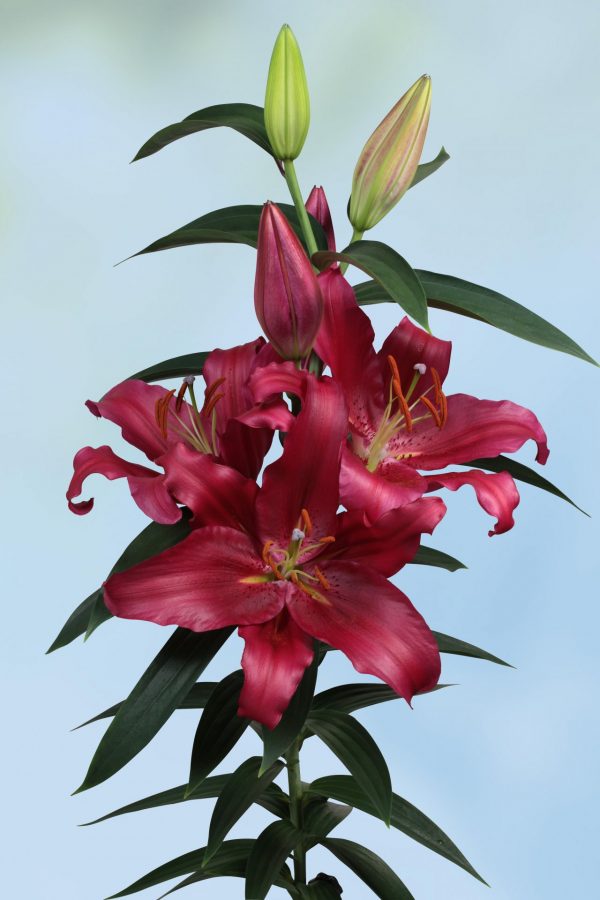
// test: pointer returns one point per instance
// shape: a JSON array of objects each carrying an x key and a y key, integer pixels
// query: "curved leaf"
[
  {"x": 429, "y": 556},
  {"x": 348, "y": 698},
  {"x": 278, "y": 740},
  {"x": 390, "y": 270},
  {"x": 320, "y": 818},
  {"x": 424, "y": 170},
  {"x": 267, "y": 857},
  {"x": 197, "y": 698},
  {"x": 77, "y": 622},
  {"x": 405, "y": 817},
  {"x": 370, "y": 868},
  {"x": 356, "y": 749},
  {"x": 447, "y": 644},
  {"x": 177, "y": 367},
  {"x": 523, "y": 473},
  {"x": 219, "y": 729},
  {"x": 245, "y": 118},
  {"x": 157, "y": 694}
]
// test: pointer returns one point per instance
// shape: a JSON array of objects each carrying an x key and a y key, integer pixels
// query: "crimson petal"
[
  {"x": 375, "y": 493},
  {"x": 411, "y": 345},
  {"x": 497, "y": 494}
]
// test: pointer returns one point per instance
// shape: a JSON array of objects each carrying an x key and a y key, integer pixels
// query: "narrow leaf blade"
[
  {"x": 278, "y": 740},
  {"x": 424, "y": 170},
  {"x": 219, "y": 729},
  {"x": 76, "y": 624},
  {"x": 447, "y": 644},
  {"x": 370, "y": 868},
  {"x": 197, "y": 698},
  {"x": 268, "y": 856},
  {"x": 177, "y": 367},
  {"x": 523, "y": 473},
  {"x": 429, "y": 556}
]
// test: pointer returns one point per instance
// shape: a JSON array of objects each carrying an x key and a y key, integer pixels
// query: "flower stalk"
[
  {"x": 296, "y": 194},
  {"x": 296, "y": 801}
]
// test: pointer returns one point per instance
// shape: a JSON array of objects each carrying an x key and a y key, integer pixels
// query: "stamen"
[
  {"x": 306, "y": 521},
  {"x": 266, "y": 552},
  {"x": 432, "y": 410},
  {"x": 327, "y": 540},
  {"x": 437, "y": 383},
  {"x": 180, "y": 396},
  {"x": 394, "y": 367},
  {"x": 208, "y": 407},
  {"x": 403, "y": 404},
  {"x": 210, "y": 392},
  {"x": 322, "y": 578},
  {"x": 444, "y": 407},
  {"x": 161, "y": 412}
]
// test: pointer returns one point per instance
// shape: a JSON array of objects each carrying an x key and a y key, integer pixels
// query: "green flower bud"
[
  {"x": 389, "y": 160},
  {"x": 287, "y": 104}
]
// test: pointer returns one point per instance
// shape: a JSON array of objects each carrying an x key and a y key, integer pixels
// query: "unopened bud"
[
  {"x": 389, "y": 160},
  {"x": 287, "y": 104}
]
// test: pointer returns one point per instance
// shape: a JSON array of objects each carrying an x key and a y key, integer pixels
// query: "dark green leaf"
[
  {"x": 429, "y": 556},
  {"x": 243, "y": 117},
  {"x": 231, "y": 861},
  {"x": 267, "y": 857},
  {"x": 219, "y": 729},
  {"x": 370, "y": 868},
  {"x": 356, "y": 749},
  {"x": 319, "y": 889},
  {"x": 348, "y": 698},
  {"x": 321, "y": 817},
  {"x": 390, "y": 270},
  {"x": 77, "y": 622},
  {"x": 428, "y": 168},
  {"x": 522, "y": 473},
  {"x": 242, "y": 788},
  {"x": 99, "y": 613},
  {"x": 231, "y": 225},
  {"x": 405, "y": 817},
  {"x": 278, "y": 740},
  {"x": 177, "y": 367},
  {"x": 157, "y": 694},
  {"x": 452, "y": 645},
  {"x": 197, "y": 698}
]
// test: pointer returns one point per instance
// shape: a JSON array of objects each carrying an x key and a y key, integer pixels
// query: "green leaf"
[
  {"x": 428, "y": 168},
  {"x": 370, "y": 868},
  {"x": 429, "y": 556},
  {"x": 405, "y": 817},
  {"x": 522, "y": 473},
  {"x": 278, "y": 740},
  {"x": 219, "y": 729},
  {"x": 231, "y": 225},
  {"x": 152, "y": 540},
  {"x": 177, "y": 367},
  {"x": 476, "y": 302},
  {"x": 245, "y": 118},
  {"x": 157, "y": 694},
  {"x": 267, "y": 857},
  {"x": 390, "y": 270},
  {"x": 242, "y": 788},
  {"x": 457, "y": 647},
  {"x": 197, "y": 698},
  {"x": 321, "y": 817},
  {"x": 356, "y": 749},
  {"x": 348, "y": 698}
]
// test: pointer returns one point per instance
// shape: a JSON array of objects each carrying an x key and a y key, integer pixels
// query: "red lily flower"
[
  {"x": 228, "y": 427},
  {"x": 280, "y": 563}
]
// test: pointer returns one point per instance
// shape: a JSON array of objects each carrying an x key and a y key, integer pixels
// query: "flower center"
[
  {"x": 399, "y": 413},
  {"x": 288, "y": 563},
  {"x": 200, "y": 429}
]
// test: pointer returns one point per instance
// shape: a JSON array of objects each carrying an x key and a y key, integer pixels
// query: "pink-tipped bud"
[
  {"x": 287, "y": 297},
  {"x": 318, "y": 207}
]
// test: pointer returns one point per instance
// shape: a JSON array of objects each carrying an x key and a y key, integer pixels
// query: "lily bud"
[
  {"x": 287, "y": 296},
  {"x": 389, "y": 160},
  {"x": 318, "y": 207},
  {"x": 287, "y": 104}
]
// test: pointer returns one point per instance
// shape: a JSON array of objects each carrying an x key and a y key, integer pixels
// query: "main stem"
[
  {"x": 296, "y": 815},
  {"x": 356, "y": 236},
  {"x": 292, "y": 183}
]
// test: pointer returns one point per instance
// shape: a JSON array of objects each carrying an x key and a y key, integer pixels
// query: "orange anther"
[
  {"x": 432, "y": 410},
  {"x": 327, "y": 540},
  {"x": 437, "y": 383},
  {"x": 294, "y": 578},
  {"x": 306, "y": 522},
  {"x": 211, "y": 390},
  {"x": 180, "y": 396},
  {"x": 161, "y": 412},
  {"x": 444, "y": 408},
  {"x": 394, "y": 367},
  {"x": 266, "y": 552},
  {"x": 209, "y": 407},
  {"x": 322, "y": 578}
]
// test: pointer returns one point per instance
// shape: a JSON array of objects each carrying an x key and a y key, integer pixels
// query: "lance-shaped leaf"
[
  {"x": 157, "y": 694},
  {"x": 405, "y": 817},
  {"x": 356, "y": 749},
  {"x": 429, "y": 556},
  {"x": 232, "y": 861},
  {"x": 245, "y": 118},
  {"x": 267, "y": 857},
  {"x": 348, "y": 698},
  {"x": 231, "y": 225},
  {"x": 321, "y": 817},
  {"x": 219, "y": 729},
  {"x": 390, "y": 270},
  {"x": 424, "y": 170},
  {"x": 197, "y": 698},
  {"x": 278, "y": 740},
  {"x": 152, "y": 540},
  {"x": 370, "y": 868},
  {"x": 242, "y": 788},
  {"x": 177, "y": 367},
  {"x": 447, "y": 644},
  {"x": 523, "y": 473},
  {"x": 476, "y": 302}
]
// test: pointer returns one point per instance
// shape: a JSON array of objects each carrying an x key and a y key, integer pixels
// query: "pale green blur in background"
[{"x": 505, "y": 762}]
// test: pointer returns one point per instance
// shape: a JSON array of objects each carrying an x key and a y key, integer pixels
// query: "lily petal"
[
  {"x": 375, "y": 493},
  {"x": 496, "y": 493},
  {"x": 410, "y": 346}
]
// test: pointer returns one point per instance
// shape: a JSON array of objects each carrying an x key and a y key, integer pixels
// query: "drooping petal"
[
  {"x": 377, "y": 492},
  {"x": 210, "y": 580},
  {"x": 306, "y": 475},
  {"x": 374, "y": 624},
  {"x": 216, "y": 494},
  {"x": 275, "y": 658},
  {"x": 474, "y": 429},
  {"x": 496, "y": 493},
  {"x": 318, "y": 207},
  {"x": 345, "y": 343},
  {"x": 411, "y": 346},
  {"x": 391, "y": 541},
  {"x": 147, "y": 487}
]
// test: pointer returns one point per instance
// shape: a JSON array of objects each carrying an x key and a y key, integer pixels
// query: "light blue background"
[{"x": 506, "y": 762}]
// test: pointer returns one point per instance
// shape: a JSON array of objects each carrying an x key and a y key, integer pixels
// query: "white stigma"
[
  {"x": 421, "y": 368},
  {"x": 189, "y": 379},
  {"x": 298, "y": 535}
]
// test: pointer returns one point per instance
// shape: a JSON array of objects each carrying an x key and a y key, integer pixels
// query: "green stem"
[
  {"x": 296, "y": 814},
  {"x": 292, "y": 183},
  {"x": 356, "y": 236}
]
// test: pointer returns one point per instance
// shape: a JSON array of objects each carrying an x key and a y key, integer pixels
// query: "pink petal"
[
  {"x": 374, "y": 624},
  {"x": 275, "y": 658},
  {"x": 147, "y": 488},
  {"x": 410, "y": 345},
  {"x": 497, "y": 493},
  {"x": 391, "y": 541},
  {"x": 318, "y": 207},
  {"x": 216, "y": 494},
  {"x": 201, "y": 584},
  {"x": 374, "y": 492}
]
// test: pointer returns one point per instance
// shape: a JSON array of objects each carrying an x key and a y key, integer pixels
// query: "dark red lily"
[
  {"x": 228, "y": 426},
  {"x": 280, "y": 562}
]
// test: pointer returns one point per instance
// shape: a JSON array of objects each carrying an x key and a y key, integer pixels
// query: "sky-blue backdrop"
[{"x": 506, "y": 761}]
